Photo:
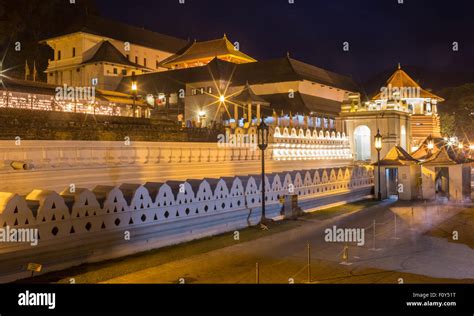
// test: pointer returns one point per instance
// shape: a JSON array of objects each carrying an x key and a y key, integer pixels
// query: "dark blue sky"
[{"x": 381, "y": 33}]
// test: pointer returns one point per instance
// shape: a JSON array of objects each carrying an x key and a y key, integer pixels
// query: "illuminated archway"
[{"x": 362, "y": 141}]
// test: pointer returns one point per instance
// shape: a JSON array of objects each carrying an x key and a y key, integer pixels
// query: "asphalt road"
[{"x": 400, "y": 252}]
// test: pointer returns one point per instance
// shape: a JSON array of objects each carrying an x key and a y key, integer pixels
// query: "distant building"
[
  {"x": 289, "y": 86},
  {"x": 96, "y": 51},
  {"x": 402, "y": 91},
  {"x": 437, "y": 170},
  {"x": 404, "y": 113}
]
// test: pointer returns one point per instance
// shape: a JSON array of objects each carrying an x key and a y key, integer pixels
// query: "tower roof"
[
  {"x": 219, "y": 48},
  {"x": 397, "y": 156},
  {"x": 446, "y": 156},
  {"x": 400, "y": 79}
]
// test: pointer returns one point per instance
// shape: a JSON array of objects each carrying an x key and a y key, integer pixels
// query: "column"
[
  {"x": 249, "y": 115},
  {"x": 236, "y": 115}
]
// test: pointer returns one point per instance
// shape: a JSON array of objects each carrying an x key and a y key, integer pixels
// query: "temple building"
[
  {"x": 438, "y": 170},
  {"x": 291, "y": 88},
  {"x": 403, "y": 112},
  {"x": 404, "y": 92},
  {"x": 214, "y": 84},
  {"x": 96, "y": 51}
]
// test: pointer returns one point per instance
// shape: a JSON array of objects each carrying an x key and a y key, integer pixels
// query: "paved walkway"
[{"x": 401, "y": 252}]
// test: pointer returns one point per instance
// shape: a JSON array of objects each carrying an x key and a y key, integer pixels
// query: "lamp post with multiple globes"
[{"x": 262, "y": 140}]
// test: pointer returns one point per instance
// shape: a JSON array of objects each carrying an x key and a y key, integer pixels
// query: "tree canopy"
[
  {"x": 457, "y": 112},
  {"x": 23, "y": 23}
]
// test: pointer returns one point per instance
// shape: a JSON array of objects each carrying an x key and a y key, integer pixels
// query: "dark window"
[
  {"x": 136, "y": 59},
  {"x": 59, "y": 55},
  {"x": 73, "y": 52},
  {"x": 144, "y": 62},
  {"x": 157, "y": 64},
  {"x": 115, "y": 71},
  {"x": 133, "y": 73},
  {"x": 128, "y": 57},
  {"x": 124, "y": 72}
]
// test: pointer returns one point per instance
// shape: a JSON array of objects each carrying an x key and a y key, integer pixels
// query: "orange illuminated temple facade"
[
  {"x": 214, "y": 83},
  {"x": 405, "y": 93}
]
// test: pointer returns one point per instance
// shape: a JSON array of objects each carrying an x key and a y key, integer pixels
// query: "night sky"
[{"x": 380, "y": 33}]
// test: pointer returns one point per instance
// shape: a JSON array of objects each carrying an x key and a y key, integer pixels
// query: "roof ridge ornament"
[{"x": 399, "y": 67}]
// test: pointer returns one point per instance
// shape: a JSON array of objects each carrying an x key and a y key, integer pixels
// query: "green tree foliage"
[
  {"x": 448, "y": 124},
  {"x": 29, "y": 21},
  {"x": 457, "y": 112}
]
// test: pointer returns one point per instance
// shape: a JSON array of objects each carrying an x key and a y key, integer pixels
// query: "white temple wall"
[
  {"x": 58, "y": 164},
  {"x": 88, "y": 226}
]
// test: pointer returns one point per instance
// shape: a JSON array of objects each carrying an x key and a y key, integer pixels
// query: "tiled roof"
[
  {"x": 120, "y": 31},
  {"x": 109, "y": 53},
  {"x": 207, "y": 49},
  {"x": 397, "y": 156},
  {"x": 270, "y": 71},
  {"x": 400, "y": 79},
  {"x": 446, "y": 156},
  {"x": 302, "y": 104},
  {"x": 289, "y": 69}
]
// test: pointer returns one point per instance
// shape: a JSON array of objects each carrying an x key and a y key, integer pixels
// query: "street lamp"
[
  {"x": 134, "y": 94},
  {"x": 262, "y": 140},
  {"x": 378, "y": 146}
]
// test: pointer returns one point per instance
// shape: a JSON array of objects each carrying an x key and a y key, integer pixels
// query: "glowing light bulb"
[{"x": 222, "y": 98}]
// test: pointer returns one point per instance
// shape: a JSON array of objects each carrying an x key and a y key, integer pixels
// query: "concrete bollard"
[{"x": 291, "y": 210}]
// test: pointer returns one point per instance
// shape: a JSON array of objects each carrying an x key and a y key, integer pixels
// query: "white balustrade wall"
[
  {"x": 170, "y": 212},
  {"x": 300, "y": 144},
  {"x": 290, "y": 144}
]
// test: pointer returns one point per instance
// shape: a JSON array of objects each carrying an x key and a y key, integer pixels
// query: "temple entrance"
[
  {"x": 442, "y": 182},
  {"x": 391, "y": 176}
]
